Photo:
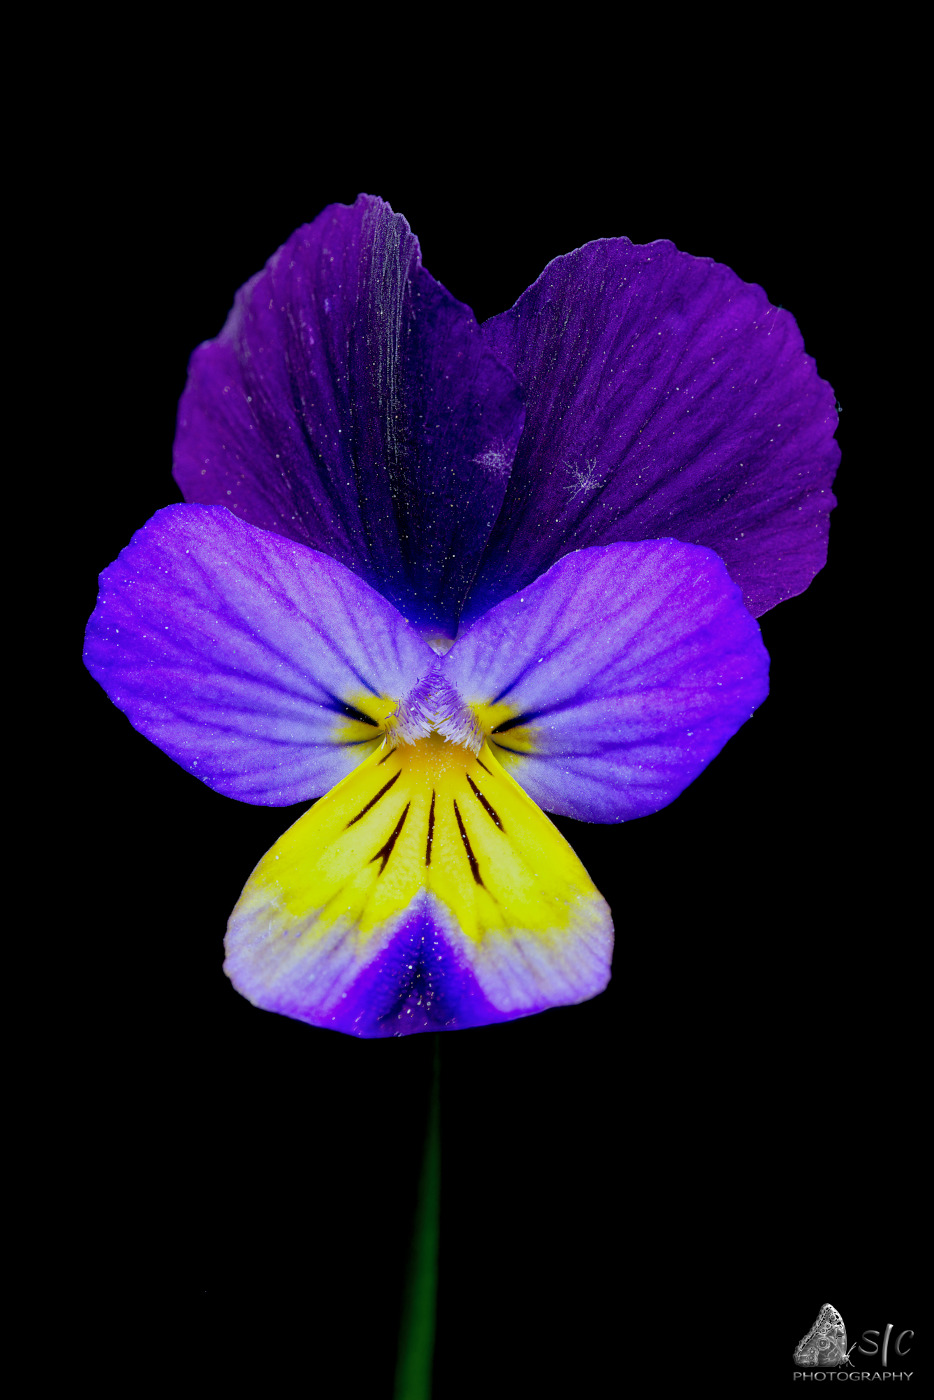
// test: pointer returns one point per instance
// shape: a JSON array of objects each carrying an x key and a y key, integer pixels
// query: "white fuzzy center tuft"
[{"x": 434, "y": 707}]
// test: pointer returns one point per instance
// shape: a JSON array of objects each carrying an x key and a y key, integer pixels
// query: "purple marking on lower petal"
[
  {"x": 417, "y": 983},
  {"x": 423, "y": 974}
]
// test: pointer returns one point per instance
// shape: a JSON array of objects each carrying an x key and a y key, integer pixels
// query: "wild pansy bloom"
[{"x": 449, "y": 575}]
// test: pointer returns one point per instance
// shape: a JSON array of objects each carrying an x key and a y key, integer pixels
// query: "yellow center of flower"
[
  {"x": 434, "y": 708},
  {"x": 430, "y": 815}
]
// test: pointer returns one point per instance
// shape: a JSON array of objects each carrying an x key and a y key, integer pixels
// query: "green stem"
[{"x": 417, "y": 1333}]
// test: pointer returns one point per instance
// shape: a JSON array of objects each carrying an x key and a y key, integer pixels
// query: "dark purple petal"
[
  {"x": 664, "y": 398},
  {"x": 259, "y": 665},
  {"x": 350, "y": 403},
  {"x": 611, "y": 681}
]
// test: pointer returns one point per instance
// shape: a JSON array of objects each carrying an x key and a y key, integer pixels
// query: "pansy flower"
[{"x": 442, "y": 577}]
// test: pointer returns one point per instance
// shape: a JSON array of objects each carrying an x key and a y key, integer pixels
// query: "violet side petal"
[
  {"x": 612, "y": 681},
  {"x": 261, "y": 666},
  {"x": 352, "y": 404},
  {"x": 665, "y": 398}
]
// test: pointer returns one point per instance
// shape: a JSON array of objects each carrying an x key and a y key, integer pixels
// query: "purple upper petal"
[
  {"x": 664, "y": 398},
  {"x": 246, "y": 656},
  {"x": 350, "y": 403},
  {"x": 624, "y": 670}
]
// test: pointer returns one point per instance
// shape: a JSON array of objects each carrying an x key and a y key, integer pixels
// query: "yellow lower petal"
[{"x": 425, "y": 827}]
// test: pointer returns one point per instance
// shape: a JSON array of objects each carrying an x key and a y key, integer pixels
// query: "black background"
[{"x": 643, "y": 1193}]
